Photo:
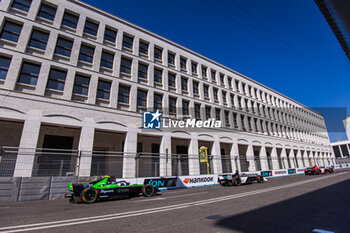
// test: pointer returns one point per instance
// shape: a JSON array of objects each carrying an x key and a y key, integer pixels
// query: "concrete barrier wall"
[
  {"x": 9, "y": 188},
  {"x": 59, "y": 186},
  {"x": 49, "y": 188},
  {"x": 34, "y": 188}
]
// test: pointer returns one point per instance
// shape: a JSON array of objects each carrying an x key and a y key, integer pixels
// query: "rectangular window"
[
  {"x": 123, "y": 94},
  {"x": 229, "y": 80},
  {"x": 184, "y": 84},
  {"x": 239, "y": 102},
  {"x": 237, "y": 85},
  {"x": 11, "y": 31},
  {"x": 183, "y": 64},
  {"x": 197, "y": 111},
  {"x": 213, "y": 75},
  {"x": 217, "y": 114},
  {"x": 206, "y": 91},
  {"x": 195, "y": 88},
  {"x": 158, "y": 53},
  {"x": 172, "y": 105},
  {"x": 91, "y": 28},
  {"x": 232, "y": 100},
  {"x": 158, "y": 102},
  {"x": 39, "y": 39},
  {"x": 86, "y": 53},
  {"x": 57, "y": 79},
  {"x": 194, "y": 68},
  {"x": 143, "y": 48},
  {"x": 204, "y": 72},
  {"x": 70, "y": 20},
  {"x": 234, "y": 116},
  {"x": 158, "y": 73},
  {"x": 22, "y": 5},
  {"x": 243, "y": 88},
  {"x": 207, "y": 112},
  {"x": 29, "y": 73},
  {"x": 47, "y": 12},
  {"x": 127, "y": 42},
  {"x": 4, "y": 67},
  {"x": 142, "y": 72},
  {"x": 141, "y": 99},
  {"x": 64, "y": 47},
  {"x": 81, "y": 85},
  {"x": 222, "y": 80},
  {"x": 215, "y": 92},
  {"x": 171, "y": 58},
  {"x": 185, "y": 108},
  {"x": 103, "y": 89},
  {"x": 224, "y": 97},
  {"x": 125, "y": 66},
  {"x": 107, "y": 60},
  {"x": 227, "y": 120},
  {"x": 110, "y": 35},
  {"x": 171, "y": 80}
]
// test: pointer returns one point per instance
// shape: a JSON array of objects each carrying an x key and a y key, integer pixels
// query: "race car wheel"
[
  {"x": 147, "y": 190},
  {"x": 89, "y": 195},
  {"x": 237, "y": 181},
  {"x": 331, "y": 170},
  {"x": 260, "y": 179}
]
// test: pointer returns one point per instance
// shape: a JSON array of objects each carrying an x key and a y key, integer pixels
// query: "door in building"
[
  {"x": 179, "y": 161},
  {"x": 56, "y": 158}
]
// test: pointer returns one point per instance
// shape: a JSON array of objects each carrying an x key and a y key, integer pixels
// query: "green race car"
[{"x": 107, "y": 189}]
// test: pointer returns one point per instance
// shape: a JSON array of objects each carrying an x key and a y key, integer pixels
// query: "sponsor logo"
[
  {"x": 291, "y": 171},
  {"x": 191, "y": 123},
  {"x": 250, "y": 174},
  {"x": 152, "y": 120},
  {"x": 162, "y": 182},
  {"x": 280, "y": 172},
  {"x": 266, "y": 173},
  {"x": 198, "y": 180},
  {"x": 107, "y": 191},
  {"x": 300, "y": 170}
]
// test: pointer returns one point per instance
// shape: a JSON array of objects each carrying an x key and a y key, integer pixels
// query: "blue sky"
[{"x": 286, "y": 45}]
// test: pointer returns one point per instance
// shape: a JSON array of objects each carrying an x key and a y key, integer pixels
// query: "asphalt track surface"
[{"x": 287, "y": 204}]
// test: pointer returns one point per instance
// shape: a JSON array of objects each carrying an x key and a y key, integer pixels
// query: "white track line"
[
  {"x": 165, "y": 198},
  {"x": 70, "y": 222}
]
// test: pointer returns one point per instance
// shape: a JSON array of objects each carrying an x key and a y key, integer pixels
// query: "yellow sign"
[{"x": 203, "y": 154}]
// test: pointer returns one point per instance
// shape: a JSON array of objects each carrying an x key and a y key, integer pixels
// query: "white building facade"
[
  {"x": 341, "y": 149},
  {"x": 75, "y": 78}
]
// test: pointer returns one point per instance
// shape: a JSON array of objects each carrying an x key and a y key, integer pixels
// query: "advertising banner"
[
  {"x": 300, "y": 170},
  {"x": 161, "y": 182},
  {"x": 280, "y": 172},
  {"x": 291, "y": 171},
  {"x": 193, "y": 181},
  {"x": 266, "y": 173}
]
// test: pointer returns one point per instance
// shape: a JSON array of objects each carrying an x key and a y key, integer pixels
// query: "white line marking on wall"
[{"x": 71, "y": 222}]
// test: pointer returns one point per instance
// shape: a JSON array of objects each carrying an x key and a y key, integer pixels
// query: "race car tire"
[
  {"x": 331, "y": 170},
  {"x": 318, "y": 172},
  {"x": 147, "y": 190},
  {"x": 89, "y": 195},
  {"x": 260, "y": 179},
  {"x": 237, "y": 182}
]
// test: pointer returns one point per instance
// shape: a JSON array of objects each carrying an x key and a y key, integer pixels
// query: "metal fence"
[
  {"x": 55, "y": 162},
  {"x": 342, "y": 160}
]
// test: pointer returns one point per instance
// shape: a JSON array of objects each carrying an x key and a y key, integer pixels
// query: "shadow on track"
[{"x": 327, "y": 208}]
